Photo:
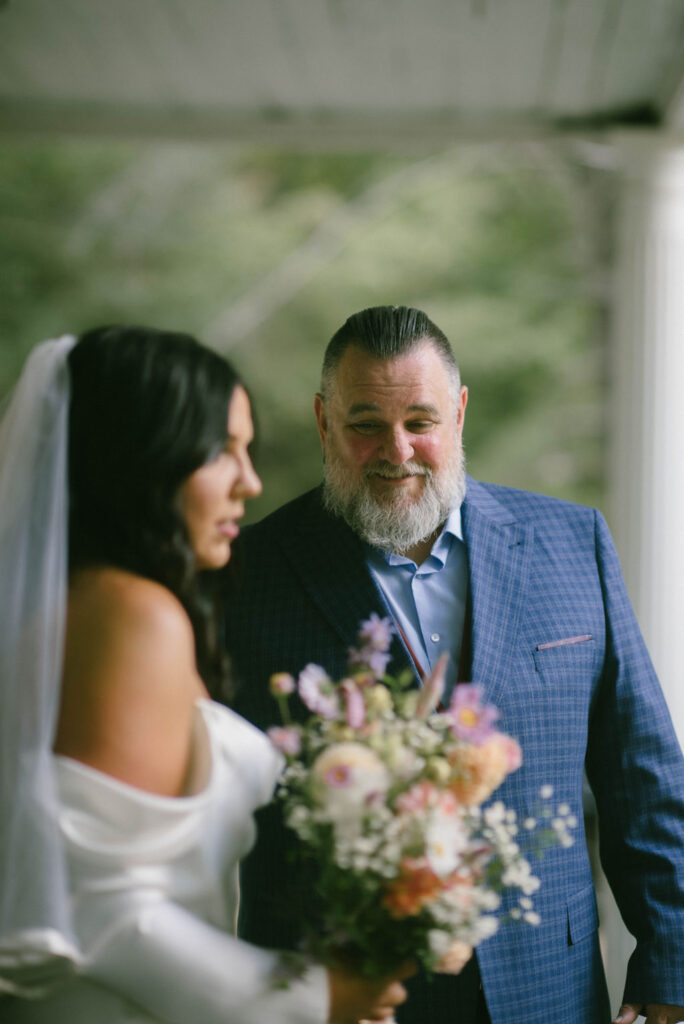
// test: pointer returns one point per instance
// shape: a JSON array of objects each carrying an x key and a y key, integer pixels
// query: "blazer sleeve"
[{"x": 636, "y": 770}]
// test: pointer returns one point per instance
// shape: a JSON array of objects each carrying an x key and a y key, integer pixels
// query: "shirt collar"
[{"x": 453, "y": 528}]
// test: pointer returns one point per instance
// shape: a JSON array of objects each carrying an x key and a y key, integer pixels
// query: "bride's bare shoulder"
[
  {"x": 105, "y": 597},
  {"x": 129, "y": 675}
]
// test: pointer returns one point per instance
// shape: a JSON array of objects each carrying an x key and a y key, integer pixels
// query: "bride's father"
[{"x": 525, "y": 593}]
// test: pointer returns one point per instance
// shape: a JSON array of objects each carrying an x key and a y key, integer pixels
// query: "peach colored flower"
[
  {"x": 455, "y": 958},
  {"x": 478, "y": 770},
  {"x": 416, "y": 885}
]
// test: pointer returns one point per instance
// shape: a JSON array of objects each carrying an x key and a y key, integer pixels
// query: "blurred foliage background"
[{"x": 263, "y": 253}]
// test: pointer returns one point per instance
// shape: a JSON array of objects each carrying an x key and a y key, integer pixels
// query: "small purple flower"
[
  {"x": 367, "y": 657},
  {"x": 287, "y": 740},
  {"x": 317, "y": 691},
  {"x": 468, "y": 717},
  {"x": 375, "y": 637},
  {"x": 376, "y": 633}
]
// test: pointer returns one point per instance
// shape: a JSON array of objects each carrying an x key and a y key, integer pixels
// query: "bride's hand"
[{"x": 354, "y": 998}]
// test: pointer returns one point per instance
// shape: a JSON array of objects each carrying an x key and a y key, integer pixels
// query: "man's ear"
[
  {"x": 460, "y": 412},
  {"x": 321, "y": 419}
]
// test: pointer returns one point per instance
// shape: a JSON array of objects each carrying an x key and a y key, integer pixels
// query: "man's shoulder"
[{"x": 525, "y": 505}]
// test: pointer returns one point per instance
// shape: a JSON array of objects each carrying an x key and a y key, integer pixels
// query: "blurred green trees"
[{"x": 264, "y": 253}]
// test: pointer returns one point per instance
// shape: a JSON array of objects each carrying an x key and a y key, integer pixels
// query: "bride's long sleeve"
[
  {"x": 153, "y": 881},
  {"x": 182, "y": 970}
]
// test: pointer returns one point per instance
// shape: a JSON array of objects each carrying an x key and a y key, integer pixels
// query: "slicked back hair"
[{"x": 387, "y": 332}]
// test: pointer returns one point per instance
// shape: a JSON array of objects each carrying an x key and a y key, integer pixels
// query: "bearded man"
[{"x": 525, "y": 594}]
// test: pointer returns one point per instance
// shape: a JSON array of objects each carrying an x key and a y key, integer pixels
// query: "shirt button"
[{"x": 435, "y": 637}]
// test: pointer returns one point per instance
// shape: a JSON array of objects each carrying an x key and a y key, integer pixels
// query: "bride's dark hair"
[{"x": 148, "y": 407}]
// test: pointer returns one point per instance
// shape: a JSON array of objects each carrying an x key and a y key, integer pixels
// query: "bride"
[{"x": 127, "y": 794}]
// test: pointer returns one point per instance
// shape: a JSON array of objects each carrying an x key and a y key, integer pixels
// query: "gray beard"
[{"x": 398, "y": 523}]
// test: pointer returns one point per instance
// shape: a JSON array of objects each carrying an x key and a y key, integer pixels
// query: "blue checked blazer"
[{"x": 556, "y": 646}]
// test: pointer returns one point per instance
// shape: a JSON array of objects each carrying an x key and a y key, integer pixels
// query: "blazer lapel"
[
  {"x": 499, "y": 550},
  {"x": 330, "y": 561}
]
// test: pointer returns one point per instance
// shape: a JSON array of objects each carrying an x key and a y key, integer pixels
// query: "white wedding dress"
[{"x": 154, "y": 887}]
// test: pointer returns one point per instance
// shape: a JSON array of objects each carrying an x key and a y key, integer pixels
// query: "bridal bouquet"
[{"x": 384, "y": 790}]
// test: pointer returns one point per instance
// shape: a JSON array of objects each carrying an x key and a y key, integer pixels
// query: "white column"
[
  {"x": 646, "y": 469},
  {"x": 646, "y": 427}
]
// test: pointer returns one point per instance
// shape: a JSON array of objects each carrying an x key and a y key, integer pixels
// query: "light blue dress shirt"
[{"x": 428, "y": 601}]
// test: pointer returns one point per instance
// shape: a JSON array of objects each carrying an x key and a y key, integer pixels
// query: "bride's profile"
[{"x": 127, "y": 793}]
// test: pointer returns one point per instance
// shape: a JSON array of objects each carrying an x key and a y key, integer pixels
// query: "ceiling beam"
[{"x": 312, "y": 131}]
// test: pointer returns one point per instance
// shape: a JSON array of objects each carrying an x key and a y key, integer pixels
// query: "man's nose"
[{"x": 397, "y": 447}]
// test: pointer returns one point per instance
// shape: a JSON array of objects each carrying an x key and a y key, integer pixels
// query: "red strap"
[{"x": 416, "y": 662}]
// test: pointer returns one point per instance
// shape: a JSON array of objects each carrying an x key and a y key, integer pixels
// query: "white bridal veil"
[{"x": 35, "y": 934}]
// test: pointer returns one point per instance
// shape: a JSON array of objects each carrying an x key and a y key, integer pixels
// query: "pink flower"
[
  {"x": 287, "y": 740},
  {"x": 281, "y": 684},
  {"x": 317, "y": 691},
  {"x": 375, "y": 637},
  {"x": 355, "y": 704},
  {"x": 418, "y": 797},
  {"x": 471, "y": 720}
]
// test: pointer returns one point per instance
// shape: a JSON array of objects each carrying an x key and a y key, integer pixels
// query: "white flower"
[
  {"x": 445, "y": 841},
  {"x": 489, "y": 900},
  {"x": 495, "y": 814},
  {"x": 486, "y": 927},
  {"x": 439, "y": 941},
  {"x": 345, "y": 776}
]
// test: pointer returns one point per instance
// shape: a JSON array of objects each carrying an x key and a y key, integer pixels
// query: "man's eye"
[
  {"x": 365, "y": 428},
  {"x": 420, "y": 426}
]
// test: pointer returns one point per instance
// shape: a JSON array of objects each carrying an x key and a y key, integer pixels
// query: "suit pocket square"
[{"x": 565, "y": 642}]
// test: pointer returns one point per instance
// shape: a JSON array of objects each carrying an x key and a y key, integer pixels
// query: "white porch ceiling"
[{"x": 334, "y": 68}]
